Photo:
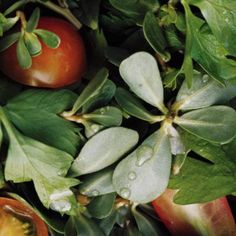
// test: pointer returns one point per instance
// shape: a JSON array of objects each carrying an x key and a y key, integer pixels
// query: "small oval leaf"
[
  {"x": 23, "y": 54},
  {"x": 134, "y": 107},
  {"x": 98, "y": 183},
  {"x": 144, "y": 174},
  {"x": 103, "y": 149},
  {"x": 141, "y": 73},
  {"x": 215, "y": 124},
  {"x": 204, "y": 92},
  {"x": 105, "y": 116},
  {"x": 32, "y": 43},
  {"x": 49, "y": 38}
]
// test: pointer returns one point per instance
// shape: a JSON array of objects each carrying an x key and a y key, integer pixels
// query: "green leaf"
[
  {"x": 49, "y": 38},
  {"x": 204, "y": 178},
  {"x": 146, "y": 225},
  {"x": 105, "y": 116},
  {"x": 89, "y": 12},
  {"x": 102, "y": 98},
  {"x": 9, "y": 40},
  {"x": 135, "y": 9},
  {"x": 141, "y": 73},
  {"x": 91, "y": 91},
  {"x": 116, "y": 55},
  {"x": 82, "y": 225},
  {"x": 97, "y": 183},
  {"x": 144, "y": 174},
  {"x": 14, "y": 6},
  {"x": 7, "y": 23},
  {"x": 134, "y": 107},
  {"x": 32, "y": 43},
  {"x": 102, "y": 206},
  {"x": 108, "y": 223},
  {"x": 2, "y": 180},
  {"x": 33, "y": 20},
  {"x": 154, "y": 35},
  {"x": 45, "y": 165},
  {"x": 23, "y": 55},
  {"x": 46, "y": 126},
  {"x": 1, "y": 135},
  {"x": 103, "y": 149},
  {"x": 220, "y": 16},
  {"x": 215, "y": 124},
  {"x": 204, "y": 92},
  {"x": 208, "y": 52}
]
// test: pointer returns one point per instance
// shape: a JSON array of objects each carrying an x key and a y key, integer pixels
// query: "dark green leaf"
[
  {"x": 45, "y": 165},
  {"x": 135, "y": 9},
  {"x": 146, "y": 225},
  {"x": 220, "y": 16},
  {"x": 204, "y": 178},
  {"x": 144, "y": 174},
  {"x": 49, "y": 38},
  {"x": 108, "y": 223},
  {"x": 98, "y": 183},
  {"x": 32, "y": 43},
  {"x": 90, "y": 12},
  {"x": 209, "y": 52},
  {"x": 102, "y": 98},
  {"x": 102, "y": 206},
  {"x": 103, "y": 149},
  {"x": 45, "y": 126},
  {"x": 116, "y": 55},
  {"x": 216, "y": 124},
  {"x": 81, "y": 225},
  {"x": 16, "y": 5},
  {"x": 1, "y": 135},
  {"x": 9, "y": 40},
  {"x": 2, "y": 181},
  {"x": 105, "y": 116},
  {"x": 134, "y": 107},
  {"x": 23, "y": 55},
  {"x": 91, "y": 91},
  {"x": 33, "y": 20},
  {"x": 154, "y": 35}
]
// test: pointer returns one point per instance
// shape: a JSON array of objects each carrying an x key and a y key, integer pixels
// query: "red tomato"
[
  {"x": 18, "y": 219},
  {"x": 212, "y": 218},
  {"x": 53, "y": 68}
]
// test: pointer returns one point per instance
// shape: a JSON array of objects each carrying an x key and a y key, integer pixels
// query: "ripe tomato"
[
  {"x": 53, "y": 68},
  {"x": 212, "y": 218},
  {"x": 18, "y": 219}
]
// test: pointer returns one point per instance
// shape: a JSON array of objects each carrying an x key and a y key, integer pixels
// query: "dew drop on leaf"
[
  {"x": 205, "y": 78},
  {"x": 144, "y": 153},
  {"x": 95, "y": 128},
  {"x": 125, "y": 192},
  {"x": 60, "y": 206},
  {"x": 132, "y": 175}
]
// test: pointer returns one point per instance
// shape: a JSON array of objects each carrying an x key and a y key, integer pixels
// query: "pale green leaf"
[
  {"x": 144, "y": 174},
  {"x": 141, "y": 73},
  {"x": 48, "y": 37},
  {"x": 103, "y": 149},
  {"x": 23, "y": 55},
  {"x": 204, "y": 92},
  {"x": 32, "y": 43},
  {"x": 216, "y": 124}
]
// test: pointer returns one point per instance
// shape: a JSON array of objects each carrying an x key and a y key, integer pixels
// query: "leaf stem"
[
  {"x": 63, "y": 11},
  {"x": 21, "y": 15}
]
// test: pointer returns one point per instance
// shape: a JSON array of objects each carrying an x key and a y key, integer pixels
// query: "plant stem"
[{"x": 62, "y": 11}]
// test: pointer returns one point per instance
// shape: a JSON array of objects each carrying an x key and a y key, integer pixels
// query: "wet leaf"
[
  {"x": 148, "y": 166},
  {"x": 215, "y": 124}
]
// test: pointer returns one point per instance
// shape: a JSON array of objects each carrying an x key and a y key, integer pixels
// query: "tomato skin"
[
  {"x": 53, "y": 68},
  {"x": 20, "y": 207},
  {"x": 212, "y": 218}
]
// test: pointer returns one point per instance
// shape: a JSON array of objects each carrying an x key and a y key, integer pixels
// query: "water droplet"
[
  {"x": 61, "y": 172},
  {"x": 205, "y": 78},
  {"x": 125, "y": 192},
  {"x": 132, "y": 175},
  {"x": 95, "y": 192},
  {"x": 144, "y": 153},
  {"x": 60, "y": 195},
  {"x": 227, "y": 20},
  {"x": 224, "y": 12},
  {"x": 61, "y": 206}
]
